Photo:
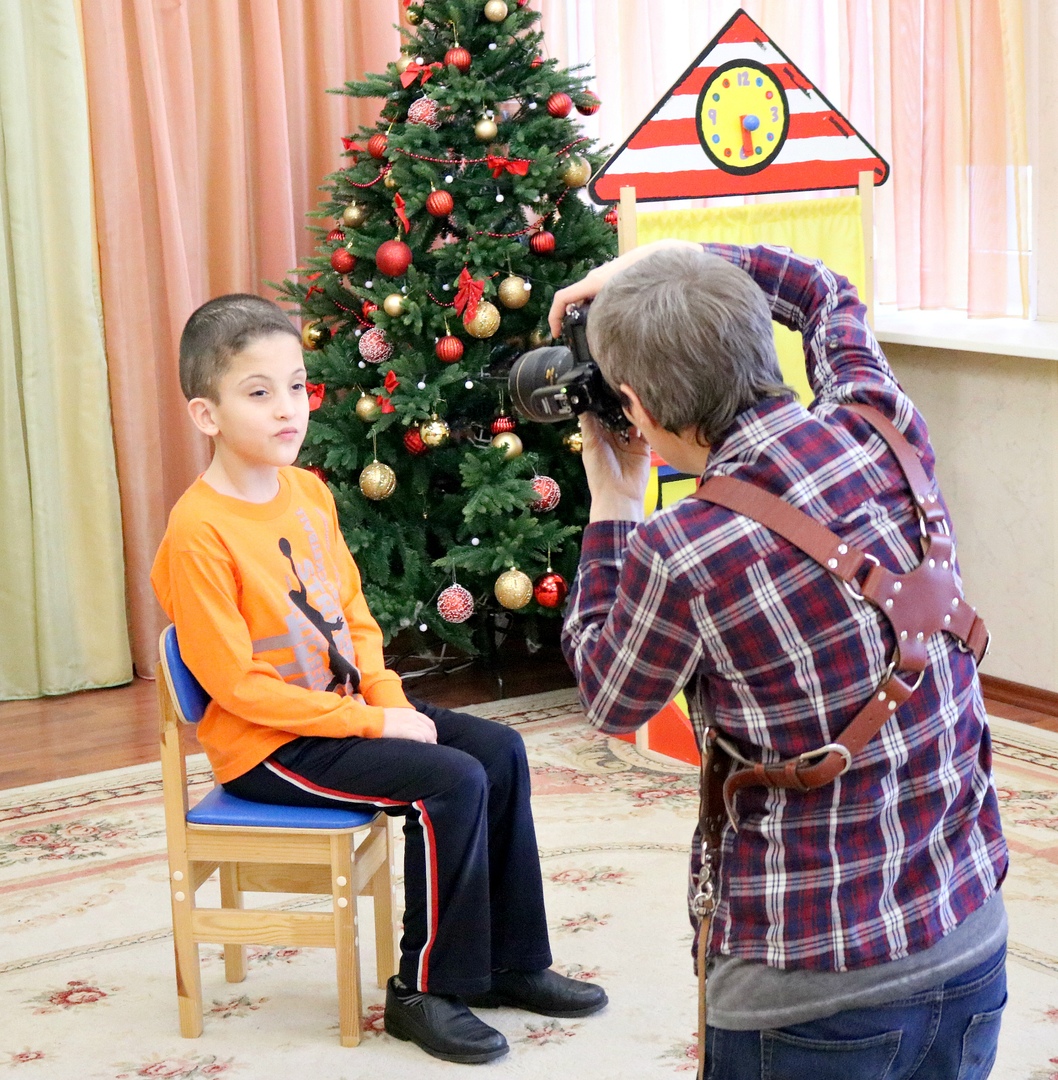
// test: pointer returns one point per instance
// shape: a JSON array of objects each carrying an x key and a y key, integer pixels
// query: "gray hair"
[
  {"x": 691, "y": 334},
  {"x": 218, "y": 330}
]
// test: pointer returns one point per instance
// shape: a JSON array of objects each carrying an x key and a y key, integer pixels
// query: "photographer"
[{"x": 858, "y": 928}]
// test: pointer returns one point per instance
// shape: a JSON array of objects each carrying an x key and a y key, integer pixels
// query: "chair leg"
[
  {"x": 386, "y": 926},
  {"x": 231, "y": 897},
  {"x": 346, "y": 942},
  {"x": 185, "y": 948}
]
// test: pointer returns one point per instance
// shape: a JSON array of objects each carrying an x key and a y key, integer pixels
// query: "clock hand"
[{"x": 748, "y": 124}]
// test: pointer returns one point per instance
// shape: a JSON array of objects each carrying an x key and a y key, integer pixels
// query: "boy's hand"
[{"x": 408, "y": 724}]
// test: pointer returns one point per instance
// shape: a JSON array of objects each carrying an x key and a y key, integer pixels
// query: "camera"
[{"x": 558, "y": 382}]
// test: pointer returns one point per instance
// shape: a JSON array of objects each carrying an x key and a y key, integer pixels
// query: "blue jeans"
[{"x": 946, "y": 1033}]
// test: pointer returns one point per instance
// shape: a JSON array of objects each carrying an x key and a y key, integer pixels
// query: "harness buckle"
[
  {"x": 848, "y": 587},
  {"x": 828, "y": 748}
]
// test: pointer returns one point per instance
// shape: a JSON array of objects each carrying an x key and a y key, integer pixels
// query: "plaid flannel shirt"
[{"x": 773, "y": 650}]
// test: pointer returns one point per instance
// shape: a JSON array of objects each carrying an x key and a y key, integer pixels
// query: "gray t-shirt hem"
[{"x": 747, "y": 995}]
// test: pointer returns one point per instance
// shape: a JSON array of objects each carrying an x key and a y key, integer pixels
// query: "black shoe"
[
  {"x": 442, "y": 1026},
  {"x": 545, "y": 992}
]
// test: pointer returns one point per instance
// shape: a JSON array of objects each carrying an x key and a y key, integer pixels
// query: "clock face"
[{"x": 742, "y": 117}]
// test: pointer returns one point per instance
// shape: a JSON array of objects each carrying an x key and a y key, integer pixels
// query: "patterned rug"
[{"x": 86, "y": 976}]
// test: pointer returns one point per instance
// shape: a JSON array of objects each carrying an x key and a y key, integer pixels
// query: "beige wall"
[{"x": 994, "y": 424}]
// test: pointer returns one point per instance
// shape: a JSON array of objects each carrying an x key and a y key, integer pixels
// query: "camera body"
[{"x": 559, "y": 382}]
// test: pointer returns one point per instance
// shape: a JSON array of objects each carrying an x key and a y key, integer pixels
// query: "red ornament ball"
[
  {"x": 542, "y": 243},
  {"x": 342, "y": 260},
  {"x": 455, "y": 604},
  {"x": 536, "y": 61},
  {"x": 610, "y": 217},
  {"x": 376, "y": 145},
  {"x": 550, "y": 589},
  {"x": 559, "y": 104},
  {"x": 424, "y": 111},
  {"x": 503, "y": 422},
  {"x": 449, "y": 349},
  {"x": 458, "y": 58},
  {"x": 439, "y": 203},
  {"x": 588, "y": 103},
  {"x": 393, "y": 257},
  {"x": 335, "y": 236},
  {"x": 413, "y": 442},
  {"x": 375, "y": 346},
  {"x": 367, "y": 307},
  {"x": 548, "y": 493},
  {"x": 316, "y": 471}
]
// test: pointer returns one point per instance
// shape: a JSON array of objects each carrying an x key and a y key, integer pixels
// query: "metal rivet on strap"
[
  {"x": 944, "y": 564},
  {"x": 947, "y": 620},
  {"x": 903, "y": 635},
  {"x": 843, "y": 549},
  {"x": 933, "y": 498},
  {"x": 932, "y": 563},
  {"x": 889, "y": 603},
  {"x": 920, "y": 636},
  {"x": 921, "y": 499},
  {"x": 832, "y": 563},
  {"x": 955, "y": 602},
  {"x": 881, "y": 695},
  {"x": 892, "y": 706},
  {"x": 897, "y": 586}
]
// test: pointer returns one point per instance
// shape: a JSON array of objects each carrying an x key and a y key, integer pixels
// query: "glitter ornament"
[
  {"x": 539, "y": 338},
  {"x": 449, "y": 349},
  {"x": 378, "y": 481},
  {"x": 434, "y": 432},
  {"x": 610, "y": 217},
  {"x": 314, "y": 335},
  {"x": 355, "y": 214},
  {"x": 514, "y": 292},
  {"x": 550, "y": 590},
  {"x": 342, "y": 260},
  {"x": 486, "y": 322},
  {"x": 335, "y": 236},
  {"x": 413, "y": 442},
  {"x": 439, "y": 203},
  {"x": 559, "y": 104},
  {"x": 459, "y": 58},
  {"x": 389, "y": 180},
  {"x": 547, "y": 491},
  {"x": 424, "y": 111},
  {"x": 367, "y": 307},
  {"x": 542, "y": 243},
  {"x": 576, "y": 173},
  {"x": 574, "y": 442},
  {"x": 414, "y": 16},
  {"x": 376, "y": 145},
  {"x": 393, "y": 305},
  {"x": 509, "y": 443},
  {"x": 513, "y": 589},
  {"x": 403, "y": 62},
  {"x": 588, "y": 103},
  {"x": 502, "y": 423},
  {"x": 374, "y": 346},
  {"x": 496, "y": 11},
  {"x": 393, "y": 257},
  {"x": 367, "y": 408},
  {"x": 485, "y": 130},
  {"x": 455, "y": 604}
]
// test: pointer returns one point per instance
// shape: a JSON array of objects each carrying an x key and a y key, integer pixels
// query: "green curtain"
[{"x": 62, "y": 599}]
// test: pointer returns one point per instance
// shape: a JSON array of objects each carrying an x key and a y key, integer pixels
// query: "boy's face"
[{"x": 262, "y": 410}]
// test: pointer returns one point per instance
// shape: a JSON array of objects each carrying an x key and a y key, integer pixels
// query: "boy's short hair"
[
  {"x": 220, "y": 329},
  {"x": 691, "y": 333}
]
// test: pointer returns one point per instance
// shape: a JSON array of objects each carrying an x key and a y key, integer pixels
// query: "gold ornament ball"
[
  {"x": 485, "y": 130},
  {"x": 403, "y": 62},
  {"x": 389, "y": 181},
  {"x": 393, "y": 305},
  {"x": 378, "y": 481},
  {"x": 496, "y": 11},
  {"x": 513, "y": 589},
  {"x": 413, "y": 15},
  {"x": 509, "y": 443},
  {"x": 354, "y": 215},
  {"x": 485, "y": 322},
  {"x": 367, "y": 409},
  {"x": 574, "y": 442},
  {"x": 576, "y": 173},
  {"x": 314, "y": 335},
  {"x": 513, "y": 292},
  {"x": 434, "y": 432},
  {"x": 539, "y": 338}
]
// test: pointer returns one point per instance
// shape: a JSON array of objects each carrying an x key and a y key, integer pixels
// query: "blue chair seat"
[{"x": 220, "y": 808}]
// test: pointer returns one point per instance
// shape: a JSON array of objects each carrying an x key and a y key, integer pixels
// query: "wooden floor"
[{"x": 52, "y": 738}]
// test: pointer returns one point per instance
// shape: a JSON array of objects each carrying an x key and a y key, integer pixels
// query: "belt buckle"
[{"x": 828, "y": 748}]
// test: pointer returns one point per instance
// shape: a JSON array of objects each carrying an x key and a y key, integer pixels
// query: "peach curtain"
[
  {"x": 211, "y": 131},
  {"x": 938, "y": 88}
]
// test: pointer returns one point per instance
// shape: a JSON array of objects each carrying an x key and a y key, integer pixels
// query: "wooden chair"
[{"x": 263, "y": 848}]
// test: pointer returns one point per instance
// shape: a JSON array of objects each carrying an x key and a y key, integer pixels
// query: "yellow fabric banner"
[
  {"x": 827, "y": 229},
  {"x": 62, "y": 621}
]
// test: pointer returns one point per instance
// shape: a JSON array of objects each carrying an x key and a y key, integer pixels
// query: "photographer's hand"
[{"x": 618, "y": 470}]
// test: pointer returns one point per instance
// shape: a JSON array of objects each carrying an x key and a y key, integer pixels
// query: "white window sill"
[{"x": 953, "y": 330}]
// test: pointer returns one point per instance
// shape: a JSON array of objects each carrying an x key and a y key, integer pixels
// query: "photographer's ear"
[{"x": 634, "y": 408}]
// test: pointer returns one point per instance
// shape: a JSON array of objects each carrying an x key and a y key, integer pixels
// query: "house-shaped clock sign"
[{"x": 743, "y": 119}]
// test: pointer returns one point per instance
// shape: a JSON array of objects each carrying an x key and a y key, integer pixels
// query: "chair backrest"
[{"x": 188, "y": 696}]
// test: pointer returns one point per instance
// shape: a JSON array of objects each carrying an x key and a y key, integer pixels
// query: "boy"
[{"x": 266, "y": 598}]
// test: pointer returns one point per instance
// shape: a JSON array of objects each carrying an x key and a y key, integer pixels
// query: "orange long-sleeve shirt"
[{"x": 271, "y": 618}]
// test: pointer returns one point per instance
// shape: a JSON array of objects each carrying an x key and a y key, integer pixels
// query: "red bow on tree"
[
  {"x": 351, "y": 144},
  {"x": 468, "y": 295},
  {"x": 398, "y": 205},
  {"x": 313, "y": 289},
  {"x": 316, "y": 390},
  {"x": 517, "y": 166},
  {"x": 384, "y": 404},
  {"x": 391, "y": 382},
  {"x": 415, "y": 69}
]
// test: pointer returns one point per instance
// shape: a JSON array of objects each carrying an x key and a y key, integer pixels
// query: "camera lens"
[{"x": 531, "y": 378}]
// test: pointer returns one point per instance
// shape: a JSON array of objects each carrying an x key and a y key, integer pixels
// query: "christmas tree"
[{"x": 458, "y": 216}]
